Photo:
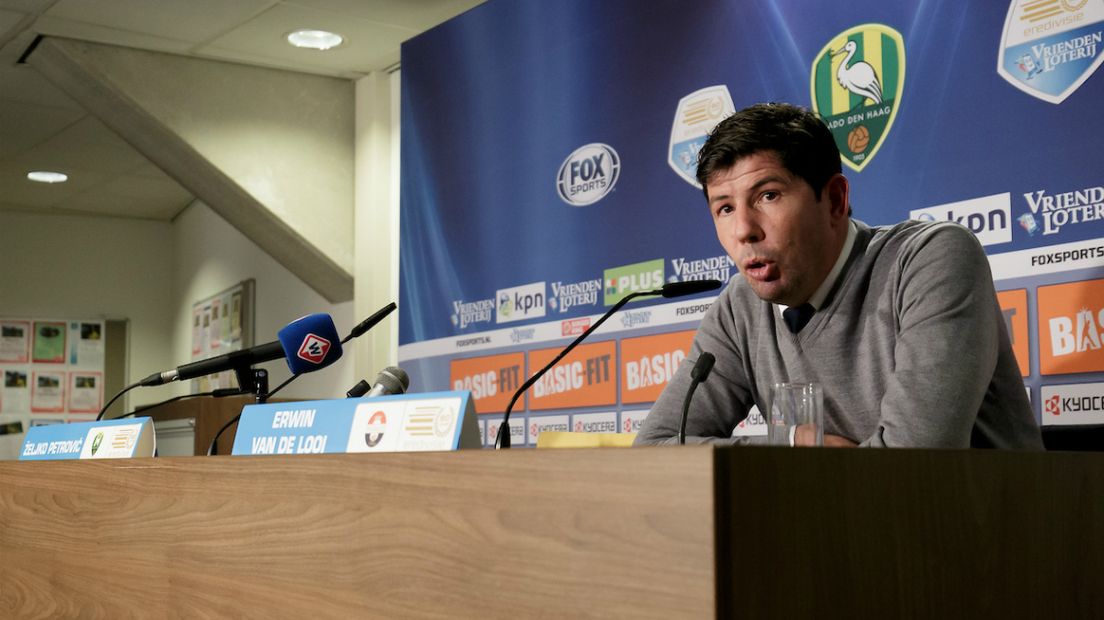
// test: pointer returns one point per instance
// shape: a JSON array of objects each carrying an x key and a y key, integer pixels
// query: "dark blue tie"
[{"x": 797, "y": 316}]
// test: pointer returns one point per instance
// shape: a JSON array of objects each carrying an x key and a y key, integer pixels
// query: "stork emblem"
[
  {"x": 856, "y": 85},
  {"x": 858, "y": 76}
]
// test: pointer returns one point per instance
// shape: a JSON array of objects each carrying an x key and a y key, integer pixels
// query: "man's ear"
[{"x": 838, "y": 192}]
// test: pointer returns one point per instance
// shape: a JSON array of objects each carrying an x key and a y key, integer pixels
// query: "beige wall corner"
[
  {"x": 377, "y": 218},
  {"x": 270, "y": 151}
]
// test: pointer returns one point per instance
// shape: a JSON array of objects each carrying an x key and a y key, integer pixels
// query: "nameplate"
[
  {"x": 434, "y": 421},
  {"x": 106, "y": 439}
]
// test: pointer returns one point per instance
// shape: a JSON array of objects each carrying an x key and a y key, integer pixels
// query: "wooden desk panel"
[{"x": 565, "y": 533}]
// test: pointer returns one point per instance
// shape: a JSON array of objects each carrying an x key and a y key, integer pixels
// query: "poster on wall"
[
  {"x": 49, "y": 342},
  {"x": 560, "y": 194},
  {"x": 52, "y": 372},
  {"x": 222, "y": 323},
  {"x": 15, "y": 338}
]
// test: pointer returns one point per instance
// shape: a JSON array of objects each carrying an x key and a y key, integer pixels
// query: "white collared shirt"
[{"x": 817, "y": 300}]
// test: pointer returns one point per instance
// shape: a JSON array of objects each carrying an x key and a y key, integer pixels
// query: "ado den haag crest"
[{"x": 856, "y": 84}]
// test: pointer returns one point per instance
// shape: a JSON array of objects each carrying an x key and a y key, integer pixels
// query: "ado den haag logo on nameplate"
[{"x": 856, "y": 84}]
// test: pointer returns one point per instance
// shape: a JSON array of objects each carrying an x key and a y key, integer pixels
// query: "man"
[{"x": 899, "y": 325}]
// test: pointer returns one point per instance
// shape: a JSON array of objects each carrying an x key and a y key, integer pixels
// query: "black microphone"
[
  {"x": 246, "y": 357},
  {"x": 699, "y": 373},
  {"x": 689, "y": 287},
  {"x": 671, "y": 289},
  {"x": 307, "y": 343},
  {"x": 370, "y": 322}
]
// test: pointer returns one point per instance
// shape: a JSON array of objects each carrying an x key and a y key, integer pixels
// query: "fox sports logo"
[{"x": 588, "y": 174}]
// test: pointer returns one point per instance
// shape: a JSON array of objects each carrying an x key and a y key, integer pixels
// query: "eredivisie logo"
[{"x": 856, "y": 84}]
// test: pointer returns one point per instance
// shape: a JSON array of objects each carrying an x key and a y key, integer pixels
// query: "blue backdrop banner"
[{"x": 548, "y": 151}]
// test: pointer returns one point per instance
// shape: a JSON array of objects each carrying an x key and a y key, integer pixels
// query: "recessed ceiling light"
[
  {"x": 315, "y": 39},
  {"x": 43, "y": 176}
]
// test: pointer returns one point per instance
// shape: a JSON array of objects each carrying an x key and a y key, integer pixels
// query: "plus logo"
[{"x": 314, "y": 349}]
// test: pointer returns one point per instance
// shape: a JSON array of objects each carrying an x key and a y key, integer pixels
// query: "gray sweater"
[{"x": 910, "y": 348}]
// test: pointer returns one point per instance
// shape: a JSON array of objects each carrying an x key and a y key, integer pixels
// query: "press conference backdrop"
[{"x": 548, "y": 151}]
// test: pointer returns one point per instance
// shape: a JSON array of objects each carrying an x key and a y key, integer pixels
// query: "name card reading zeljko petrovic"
[
  {"x": 106, "y": 439},
  {"x": 404, "y": 423}
]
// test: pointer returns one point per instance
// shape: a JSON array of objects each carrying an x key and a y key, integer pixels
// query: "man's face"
[{"x": 781, "y": 237}]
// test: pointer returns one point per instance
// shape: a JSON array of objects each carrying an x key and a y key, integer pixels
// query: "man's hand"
[{"x": 806, "y": 435}]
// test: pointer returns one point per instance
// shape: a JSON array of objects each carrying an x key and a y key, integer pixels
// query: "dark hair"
[{"x": 800, "y": 139}]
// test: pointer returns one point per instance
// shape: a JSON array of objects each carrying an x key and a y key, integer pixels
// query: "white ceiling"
[{"x": 43, "y": 129}]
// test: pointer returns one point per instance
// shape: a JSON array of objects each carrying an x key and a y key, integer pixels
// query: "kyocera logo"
[
  {"x": 988, "y": 217},
  {"x": 1081, "y": 403},
  {"x": 588, "y": 174}
]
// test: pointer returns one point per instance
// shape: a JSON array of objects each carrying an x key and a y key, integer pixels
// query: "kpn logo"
[
  {"x": 588, "y": 174},
  {"x": 627, "y": 279},
  {"x": 520, "y": 302}
]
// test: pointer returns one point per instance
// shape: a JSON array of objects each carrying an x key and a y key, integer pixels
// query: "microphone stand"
[
  {"x": 253, "y": 381},
  {"x": 502, "y": 440}
]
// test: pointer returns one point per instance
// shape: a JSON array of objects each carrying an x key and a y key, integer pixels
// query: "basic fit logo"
[
  {"x": 988, "y": 217},
  {"x": 1013, "y": 305},
  {"x": 520, "y": 303},
  {"x": 586, "y": 377},
  {"x": 588, "y": 174},
  {"x": 314, "y": 349},
  {"x": 492, "y": 380},
  {"x": 1049, "y": 213},
  {"x": 649, "y": 362},
  {"x": 1082, "y": 403},
  {"x": 1050, "y": 47},
  {"x": 1071, "y": 327},
  {"x": 622, "y": 281},
  {"x": 856, "y": 84}
]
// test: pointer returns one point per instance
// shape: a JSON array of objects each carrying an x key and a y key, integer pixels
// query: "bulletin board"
[
  {"x": 55, "y": 370},
  {"x": 222, "y": 323}
]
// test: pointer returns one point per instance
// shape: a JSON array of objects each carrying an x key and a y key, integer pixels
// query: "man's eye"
[
  {"x": 769, "y": 196},
  {"x": 724, "y": 209}
]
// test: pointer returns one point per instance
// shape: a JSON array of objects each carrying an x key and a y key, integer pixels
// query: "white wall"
[
  {"x": 209, "y": 256},
  {"x": 73, "y": 266}
]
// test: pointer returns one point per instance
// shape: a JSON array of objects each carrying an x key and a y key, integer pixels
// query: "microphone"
[
  {"x": 307, "y": 343},
  {"x": 356, "y": 332},
  {"x": 689, "y": 287},
  {"x": 671, "y": 289},
  {"x": 699, "y": 373},
  {"x": 391, "y": 380},
  {"x": 370, "y": 322}
]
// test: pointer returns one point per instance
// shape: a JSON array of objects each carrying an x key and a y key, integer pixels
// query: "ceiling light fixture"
[
  {"x": 315, "y": 39},
  {"x": 45, "y": 176}
]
